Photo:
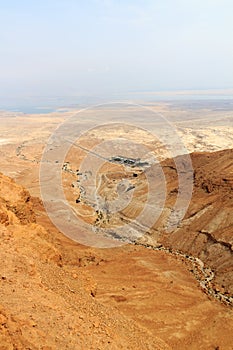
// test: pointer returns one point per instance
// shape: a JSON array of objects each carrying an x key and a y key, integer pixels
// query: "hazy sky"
[{"x": 50, "y": 47}]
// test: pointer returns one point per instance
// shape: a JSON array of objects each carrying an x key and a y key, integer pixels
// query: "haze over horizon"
[{"x": 65, "y": 48}]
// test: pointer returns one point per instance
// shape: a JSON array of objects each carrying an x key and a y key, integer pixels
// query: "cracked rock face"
[{"x": 207, "y": 229}]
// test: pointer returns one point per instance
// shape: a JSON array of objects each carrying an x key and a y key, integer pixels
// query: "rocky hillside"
[
  {"x": 207, "y": 229},
  {"x": 44, "y": 303}
]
